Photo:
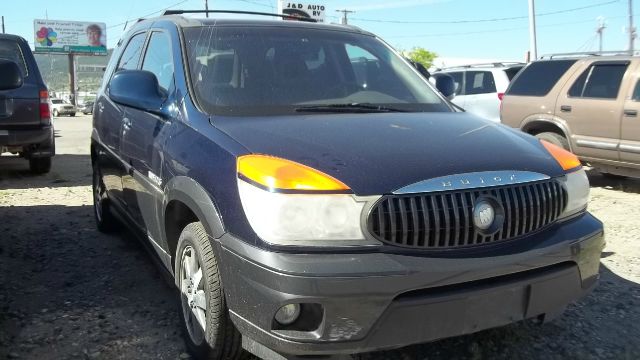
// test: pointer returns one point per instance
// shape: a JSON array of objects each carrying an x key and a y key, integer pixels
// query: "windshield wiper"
[{"x": 350, "y": 108}]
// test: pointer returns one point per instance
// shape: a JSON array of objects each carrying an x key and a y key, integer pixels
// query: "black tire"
[
  {"x": 55, "y": 113},
  {"x": 220, "y": 339},
  {"x": 555, "y": 139},
  {"x": 72, "y": 114},
  {"x": 40, "y": 165},
  {"x": 105, "y": 221}
]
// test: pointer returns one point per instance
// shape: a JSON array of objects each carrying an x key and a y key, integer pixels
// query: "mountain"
[{"x": 55, "y": 71}]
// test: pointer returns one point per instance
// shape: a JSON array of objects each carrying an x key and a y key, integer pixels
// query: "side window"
[
  {"x": 600, "y": 81},
  {"x": 131, "y": 54},
  {"x": 158, "y": 60},
  {"x": 479, "y": 82},
  {"x": 539, "y": 77},
  {"x": 636, "y": 92},
  {"x": 457, "y": 79}
]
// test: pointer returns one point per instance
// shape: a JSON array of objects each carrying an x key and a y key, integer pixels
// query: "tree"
[{"x": 422, "y": 56}]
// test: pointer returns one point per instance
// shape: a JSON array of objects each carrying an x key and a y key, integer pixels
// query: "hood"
[{"x": 378, "y": 153}]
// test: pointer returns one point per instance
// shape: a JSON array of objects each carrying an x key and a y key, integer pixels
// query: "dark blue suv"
[{"x": 312, "y": 194}]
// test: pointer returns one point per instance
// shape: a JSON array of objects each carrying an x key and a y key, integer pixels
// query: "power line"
[
  {"x": 488, "y": 20},
  {"x": 146, "y": 15},
  {"x": 497, "y": 30}
]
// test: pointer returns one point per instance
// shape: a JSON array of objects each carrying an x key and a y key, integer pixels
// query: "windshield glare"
[{"x": 275, "y": 70}]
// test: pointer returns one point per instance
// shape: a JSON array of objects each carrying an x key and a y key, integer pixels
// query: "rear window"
[
  {"x": 10, "y": 50},
  {"x": 538, "y": 78}
]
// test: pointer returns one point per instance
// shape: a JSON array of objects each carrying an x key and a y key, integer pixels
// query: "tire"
[
  {"x": 72, "y": 114},
  {"x": 55, "y": 113},
  {"x": 202, "y": 299},
  {"x": 105, "y": 221},
  {"x": 40, "y": 165},
  {"x": 555, "y": 139}
]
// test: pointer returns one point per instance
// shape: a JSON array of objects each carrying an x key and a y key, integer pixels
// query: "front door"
[
  {"x": 592, "y": 107},
  {"x": 143, "y": 137},
  {"x": 630, "y": 127}
]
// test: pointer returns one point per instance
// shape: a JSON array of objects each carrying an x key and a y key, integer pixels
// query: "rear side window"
[
  {"x": 479, "y": 82},
  {"x": 131, "y": 55},
  {"x": 10, "y": 50},
  {"x": 539, "y": 78},
  {"x": 600, "y": 81}
]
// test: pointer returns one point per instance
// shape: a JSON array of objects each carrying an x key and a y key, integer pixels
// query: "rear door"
[
  {"x": 630, "y": 125},
  {"x": 592, "y": 107},
  {"x": 21, "y": 106},
  {"x": 481, "y": 97}
]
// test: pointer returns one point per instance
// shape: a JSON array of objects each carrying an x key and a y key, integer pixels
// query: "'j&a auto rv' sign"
[{"x": 302, "y": 9}]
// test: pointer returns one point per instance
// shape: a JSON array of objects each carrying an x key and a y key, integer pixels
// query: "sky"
[{"x": 470, "y": 29}]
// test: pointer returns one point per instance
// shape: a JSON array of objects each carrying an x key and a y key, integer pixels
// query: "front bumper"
[{"x": 375, "y": 301}]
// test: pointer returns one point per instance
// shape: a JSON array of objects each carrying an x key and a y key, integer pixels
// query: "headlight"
[
  {"x": 577, "y": 185},
  {"x": 288, "y": 203},
  {"x": 575, "y": 182}
]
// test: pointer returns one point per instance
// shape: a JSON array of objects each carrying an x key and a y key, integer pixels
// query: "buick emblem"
[{"x": 483, "y": 215}]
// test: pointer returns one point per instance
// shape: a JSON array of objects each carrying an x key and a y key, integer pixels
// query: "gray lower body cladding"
[{"x": 377, "y": 301}]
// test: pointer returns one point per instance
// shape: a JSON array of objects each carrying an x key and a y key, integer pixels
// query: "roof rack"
[
  {"x": 492, "y": 64},
  {"x": 284, "y": 16},
  {"x": 590, "y": 53}
]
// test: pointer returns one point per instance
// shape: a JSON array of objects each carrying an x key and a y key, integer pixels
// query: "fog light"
[{"x": 288, "y": 314}]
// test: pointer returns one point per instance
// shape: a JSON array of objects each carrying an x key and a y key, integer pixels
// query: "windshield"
[
  {"x": 276, "y": 71},
  {"x": 57, "y": 101}
]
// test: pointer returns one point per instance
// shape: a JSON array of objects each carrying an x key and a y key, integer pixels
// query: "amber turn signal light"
[
  {"x": 566, "y": 159},
  {"x": 276, "y": 173}
]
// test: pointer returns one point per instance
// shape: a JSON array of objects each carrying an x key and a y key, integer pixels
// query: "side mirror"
[
  {"x": 11, "y": 77},
  {"x": 446, "y": 85},
  {"x": 138, "y": 89}
]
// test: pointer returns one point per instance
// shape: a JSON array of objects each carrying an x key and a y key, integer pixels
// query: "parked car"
[
  {"x": 312, "y": 194},
  {"x": 586, "y": 104},
  {"x": 25, "y": 118},
  {"x": 61, "y": 107},
  {"x": 86, "y": 108},
  {"x": 480, "y": 87}
]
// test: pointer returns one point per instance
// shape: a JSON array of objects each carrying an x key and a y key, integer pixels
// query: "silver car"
[
  {"x": 61, "y": 107},
  {"x": 480, "y": 87}
]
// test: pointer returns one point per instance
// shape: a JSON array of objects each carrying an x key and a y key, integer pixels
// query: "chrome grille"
[{"x": 444, "y": 220}]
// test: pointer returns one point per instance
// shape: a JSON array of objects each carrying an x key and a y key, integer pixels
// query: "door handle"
[
  {"x": 100, "y": 107},
  {"x": 630, "y": 113},
  {"x": 126, "y": 123},
  {"x": 565, "y": 108}
]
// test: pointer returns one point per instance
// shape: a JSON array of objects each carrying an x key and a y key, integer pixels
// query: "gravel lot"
[{"x": 67, "y": 291}]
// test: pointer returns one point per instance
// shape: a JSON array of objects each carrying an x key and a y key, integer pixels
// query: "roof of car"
[
  {"x": 184, "y": 22},
  {"x": 10, "y": 37}
]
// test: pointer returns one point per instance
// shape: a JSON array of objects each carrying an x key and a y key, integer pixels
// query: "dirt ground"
[{"x": 68, "y": 291}]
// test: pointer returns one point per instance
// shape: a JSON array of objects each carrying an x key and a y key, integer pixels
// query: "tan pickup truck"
[{"x": 587, "y": 104}]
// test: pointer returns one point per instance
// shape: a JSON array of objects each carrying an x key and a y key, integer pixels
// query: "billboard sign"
[
  {"x": 56, "y": 36},
  {"x": 301, "y": 9}
]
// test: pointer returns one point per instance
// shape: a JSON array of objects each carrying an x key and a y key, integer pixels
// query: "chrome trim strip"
[
  {"x": 597, "y": 144},
  {"x": 472, "y": 180},
  {"x": 630, "y": 148}
]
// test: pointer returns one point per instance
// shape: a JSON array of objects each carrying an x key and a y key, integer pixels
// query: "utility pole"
[
  {"x": 533, "y": 47},
  {"x": 600, "y": 31},
  {"x": 3, "y": 24},
  {"x": 206, "y": 8},
  {"x": 632, "y": 30},
  {"x": 345, "y": 12}
]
